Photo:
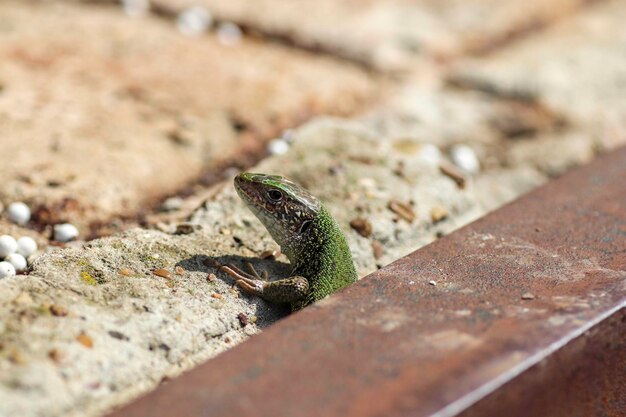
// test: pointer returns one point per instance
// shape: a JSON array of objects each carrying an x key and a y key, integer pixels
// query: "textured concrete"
[
  {"x": 101, "y": 114},
  {"x": 577, "y": 68},
  {"x": 389, "y": 35}
]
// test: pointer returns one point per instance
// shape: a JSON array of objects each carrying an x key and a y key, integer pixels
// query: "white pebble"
[
  {"x": 430, "y": 153},
  {"x": 136, "y": 8},
  {"x": 6, "y": 270},
  {"x": 17, "y": 260},
  {"x": 172, "y": 204},
  {"x": 465, "y": 158},
  {"x": 65, "y": 232},
  {"x": 19, "y": 213},
  {"x": 229, "y": 33},
  {"x": 26, "y": 246},
  {"x": 278, "y": 147},
  {"x": 8, "y": 245},
  {"x": 194, "y": 21}
]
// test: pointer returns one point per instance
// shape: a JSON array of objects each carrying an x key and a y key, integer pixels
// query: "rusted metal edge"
[
  {"x": 521, "y": 299},
  {"x": 586, "y": 378},
  {"x": 462, "y": 404}
]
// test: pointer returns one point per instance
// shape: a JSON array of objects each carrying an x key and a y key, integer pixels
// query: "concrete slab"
[
  {"x": 388, "y": 35},
  {"x": 576, "y": 67},
  {"x": 101, "y": 114}
]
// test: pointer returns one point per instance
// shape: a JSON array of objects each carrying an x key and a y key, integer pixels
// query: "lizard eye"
[{"x": 275, "y": 195}]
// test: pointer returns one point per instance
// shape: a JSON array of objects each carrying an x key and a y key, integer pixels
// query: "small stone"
[
  {"x": 430, "y": 153},
  {"x": 433, "y": 283},
  {"x": 57, "y": 311},
  {"x": 438, "y": 213},
  {"x": 118, "y": 335},
  {"x": 362, "y": 226},
  {"x": 217, "y": 296},
  {"x": 136, "y": 8},
  {"x": 243, "y": 319},
  {"x": 164, "y": 273},
  {"x": 211, "y": 277},
  {"x": 378, "y": 249},
  {"x": 85, "y": 340},
  {"x": 367, "y": 182},
  {"x": 403, "y": 210},
  {"x": 55, "y": 355},
  {"x": 184, "y": 229},
  {"x": 253, "y": 319},
  {"x": 26, "y": 246},
  {"x": 465, "y": 158},
  {"x": 65, "y": 232},
  {"x": 19, "y": 213},
  {"x": 278, "y": 147},
  {"x": 227, "y": 339},
  {"x": 229, "y": 34},
  {"x": 18, "y": 261},
  {"x": 270, "y": 254},
  {"x": 8, "y": 245},
  {"x": 528, "y": 296},
  {"x": 453, "y": 173},
  {"x": 194, "y": 21},
  {"x": 126, "y": 272},
  {"x": 6, "y": 270},
  {"x": 179, "y": 270},
  {"x": 172, "y": 204}
]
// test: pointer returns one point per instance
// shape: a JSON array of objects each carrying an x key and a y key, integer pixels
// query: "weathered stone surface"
[
  {"x": 101, "y": 114},
  {"x": 93, "y": 326},
  {"x": 388, "y": 35},
  {"x": 577, "y": 68}
]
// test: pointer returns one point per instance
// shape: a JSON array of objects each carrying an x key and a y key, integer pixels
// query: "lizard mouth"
[{"x": 247, "y": 186}]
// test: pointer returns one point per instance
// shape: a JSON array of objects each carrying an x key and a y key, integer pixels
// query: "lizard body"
[{"x": 306, "y": 232}]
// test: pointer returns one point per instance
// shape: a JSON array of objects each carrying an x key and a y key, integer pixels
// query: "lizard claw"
[
  {"x": 250, "y": 283},
  {"x": 264, "y": 275}
]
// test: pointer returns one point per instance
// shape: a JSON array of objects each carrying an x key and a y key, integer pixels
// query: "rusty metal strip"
[{"x": 517, "y": 309}]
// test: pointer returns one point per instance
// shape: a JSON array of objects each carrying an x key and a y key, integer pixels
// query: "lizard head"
[{"x": 286, "y": 210}]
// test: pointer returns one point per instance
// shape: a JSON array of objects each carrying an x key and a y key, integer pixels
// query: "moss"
[
  {"x": 87, "y": 279},
  {"x": 89, "y": 274},
  {"x": 119, "y": 245},
  {"x": 164, "y": 252}
]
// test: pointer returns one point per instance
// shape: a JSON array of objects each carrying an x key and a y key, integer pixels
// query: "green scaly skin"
[{"x": 312, "y": 240}]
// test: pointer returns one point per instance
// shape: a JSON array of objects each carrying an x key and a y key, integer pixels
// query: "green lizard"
[{"x": 306, "y": 232}]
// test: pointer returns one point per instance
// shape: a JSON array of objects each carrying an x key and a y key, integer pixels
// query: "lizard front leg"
[{"x": 287, "y": 290}]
